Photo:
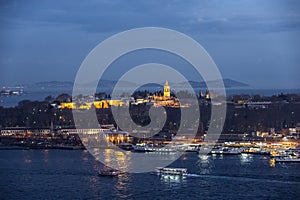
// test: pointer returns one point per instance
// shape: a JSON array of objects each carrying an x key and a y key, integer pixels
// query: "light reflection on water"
[
  {"x": 246, "y": 159},
  {"x": 68, "y": 175},
  {"x": 172, "y": 180},
  {"x": 45, "y": 153},
  {"x": 215, "y": 156},
  {"x": 204, "y": 158},
  {"x": 115, "y": 158},
  {"x": 85, "y": 157},
  {"x": 27, "y": 156},
  {"x": 204, "y": 164},
  {"x": 122, "y": 181},
  {"x": 128, "y": 161},
  {"x": 272, "y": 162},
  {"x": 121, "y": 188},
  {"x": 93, "y": 184}
]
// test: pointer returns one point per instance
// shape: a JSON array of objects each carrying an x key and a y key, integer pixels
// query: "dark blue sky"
[{"x": 253, "y": 41}]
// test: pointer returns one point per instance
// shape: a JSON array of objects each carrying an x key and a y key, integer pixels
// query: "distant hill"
[
  {"x": 228, "y": 83},
  {"x": 102, "y": 83},
  {"x": 109, "y": 84},
  {"x": 54, "y": 84},
  {"x": 112, "y": 83},
  {"x": 151, "y": 85}
]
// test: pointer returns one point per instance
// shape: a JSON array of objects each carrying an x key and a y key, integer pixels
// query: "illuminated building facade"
[
  {"x": 167, "y": 91},
  {"x": 157, "y": 99}
]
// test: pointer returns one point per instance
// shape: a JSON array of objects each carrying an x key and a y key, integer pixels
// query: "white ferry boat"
[
  {"x": 232, "y": 151},
  {"x": 143, "y": 147},
  {"x": 225, "y": 151},
  {"x": 217, "y": 150},
  {"x": 151, "y": 148},
  {"x": 171, "y": 171}
]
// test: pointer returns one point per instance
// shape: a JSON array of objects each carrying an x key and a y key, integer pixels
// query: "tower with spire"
[{"x": 167, "y": 92}]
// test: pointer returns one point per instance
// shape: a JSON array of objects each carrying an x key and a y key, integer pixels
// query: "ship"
[
  {"x": 216, "y": 150},
  {"x": 225, "y": 151},
  {"x": 167, "y": 171},
  {"x": 231, "y": 151},
  {"x": 169, "y": 148},
  {"x": 126, "y": 146},
  {"x": 151, "y": 148}
]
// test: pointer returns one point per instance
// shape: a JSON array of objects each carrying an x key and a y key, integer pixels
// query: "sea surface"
[{"x": 72, "y": 174}]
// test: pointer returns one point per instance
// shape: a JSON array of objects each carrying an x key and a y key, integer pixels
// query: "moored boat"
[
  {"x": 226, "y": 151},
  {"x": 232, "y": 151},
  {"x": 165, "y": 149},
  {"x": 108, "y": 173},
  {"x": 217, "y": 150},
  {"x": 290, "y": 155},
  {"x": 126, "y": 146},
  {"x": 287, "y": 159}
]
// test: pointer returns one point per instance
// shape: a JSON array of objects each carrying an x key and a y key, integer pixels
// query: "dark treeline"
[{"x": 282, "y": 112}]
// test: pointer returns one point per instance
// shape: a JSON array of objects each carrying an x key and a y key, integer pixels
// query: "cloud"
[
  {"x": 61, "y": 33},
  {"x": 113, "y": 16}
]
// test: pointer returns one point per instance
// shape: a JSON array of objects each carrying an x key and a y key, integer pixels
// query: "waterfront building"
[
  {"x": 207, "y": 95},
  {"x": 23, "y": 131},
  {"x": 68, "y": 105},
  {"x": 102, "y": 104},
  {"x": 99, "y": 134},
  {"x": 14, "y": 131},
  {"x": 156, "y": 99}
]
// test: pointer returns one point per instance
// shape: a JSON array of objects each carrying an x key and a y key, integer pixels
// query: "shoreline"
[{"x": 41, "y": 148}]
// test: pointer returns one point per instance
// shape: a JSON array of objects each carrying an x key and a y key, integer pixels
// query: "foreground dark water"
[{"x": 61, "y": 174}]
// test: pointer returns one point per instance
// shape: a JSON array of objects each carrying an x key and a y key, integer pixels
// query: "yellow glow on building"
[
  {"x": 167, "y": 92},
  {"x": 88, "y": 105},
  {"x": 85, "y": 106},
  {"x": 115, "y": 102},
  {"x": 101, "y": 104},
  {"x": 241, "y": 101},
  {"x": 69, "y": 105},
  {"x": 207, "y": 95},
  {"x": 155, "y": 99}
]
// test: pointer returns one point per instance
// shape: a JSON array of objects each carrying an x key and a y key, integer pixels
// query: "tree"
[
  {"x": 49, "y": 99},
  {"x": 63, "y": 98}
]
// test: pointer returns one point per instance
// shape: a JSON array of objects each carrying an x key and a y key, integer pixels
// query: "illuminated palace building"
[
  {"x": 166, "y": 99},
  {"x": 156, "y": 99}
]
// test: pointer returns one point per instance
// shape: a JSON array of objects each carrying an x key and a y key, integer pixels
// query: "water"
[
  {"x": 33, "y": 94},
  {"x": 62, "y": 174}
]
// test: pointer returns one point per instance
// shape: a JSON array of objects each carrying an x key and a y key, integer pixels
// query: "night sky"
[{"x": 252, "y": 41}]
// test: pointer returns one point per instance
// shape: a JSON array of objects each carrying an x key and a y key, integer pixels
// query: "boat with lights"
[
  {"x": 171, "y": 171},
  {"x": 287, "y": 159},
  {"x": 111, "y": 173}
]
